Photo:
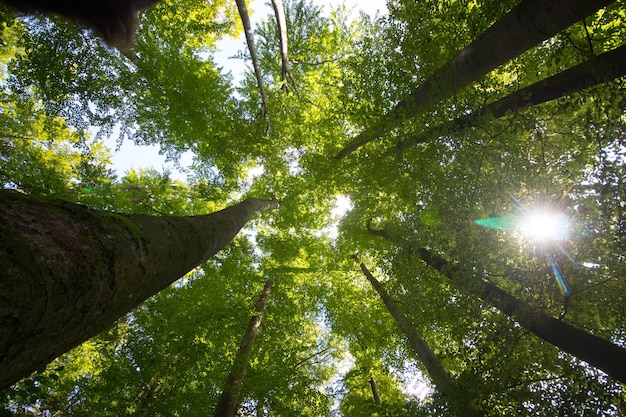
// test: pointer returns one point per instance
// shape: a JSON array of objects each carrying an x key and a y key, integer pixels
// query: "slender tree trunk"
[
  {"x": 227, "y": 404},
  {"x": 434, "y": 367},
  {"x": 592, "y": 349},
  {"x": 281, "y": 21},
  {"x": 375, "y": 392},
  {"x": 247, "y": 27},
  {"x": 260, "y": 407},
  {"x": 526, "y": 25},
  {"x": 69, "y": 272},
  {"x": 600, "y": 69}
]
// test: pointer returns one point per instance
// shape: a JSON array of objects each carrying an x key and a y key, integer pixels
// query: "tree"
[
  {"x": 606, "y": 67},
  {"x": 592, "y": 349},
  {"x": 453, "y": 395},
  {"x": 227, "y": 404},
  {"x": 281, "y": 22},
  {"x": 325, "y": 335},
  {"x": 115, "y": 22},
  {"x": 523, "y": 27},
  {"x": 245, "y": 19},
  {"x": 91, "y": 268}
]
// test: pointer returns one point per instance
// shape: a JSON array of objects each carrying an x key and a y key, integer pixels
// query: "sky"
[{"x": 130, "y": 156}]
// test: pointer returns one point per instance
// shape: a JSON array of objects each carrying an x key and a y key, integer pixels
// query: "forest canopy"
[{"x": 407, "y": 151}]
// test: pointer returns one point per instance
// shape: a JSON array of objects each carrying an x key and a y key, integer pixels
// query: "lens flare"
[{"x": 542, "y": 226}]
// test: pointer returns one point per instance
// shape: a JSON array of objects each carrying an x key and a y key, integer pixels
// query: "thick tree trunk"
[
  {"x": 592, "y": 349},
  {"x": 434, "y": 367},
  {"x": 247, "y": 27},
  {"x": 526, "y": 25},
  {"x": 115, "y": 21},
  {"x": 600, "y": 69},
  {"x": 69, "y": 272},
  {"x": 227, "y": 404}
]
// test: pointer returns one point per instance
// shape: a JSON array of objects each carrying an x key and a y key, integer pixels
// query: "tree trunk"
[
  {"x": 260, "y": 407},
  {"x": 69, "y": 272},
  {"x": 247, "y": 27},
  {"x": 281, "y": 21},
  {"x": 592, "y": 349},
  {"x": 600, "y": 69},
  {"x": 434, "y": 367},
  {"x": 526, "y": 25},
  {"x": 227, "y": 404},
  {"x": 375, "y": 392}
]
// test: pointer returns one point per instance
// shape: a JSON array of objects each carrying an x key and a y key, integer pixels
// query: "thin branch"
[{"x": 308, "y": 358}]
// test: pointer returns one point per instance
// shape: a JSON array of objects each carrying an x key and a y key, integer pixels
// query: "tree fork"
[{"x": 68, "y": 272}]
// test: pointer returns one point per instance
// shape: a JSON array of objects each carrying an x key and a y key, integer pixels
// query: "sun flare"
[{"x": 543, "y": 226}]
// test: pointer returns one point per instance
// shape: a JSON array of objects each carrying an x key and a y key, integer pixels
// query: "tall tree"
[
  {"x": 523, "y": 27},
  {"x": 70, "y": 272},
  {"x": 594, "y": 350},
  {"x": 453, "y": 394},
  {"x": 285, "y": 73},
  {"x": 247, "y": 27},
  {"x": 603, "y": 68},
  {"x": 228, "y": 401}
]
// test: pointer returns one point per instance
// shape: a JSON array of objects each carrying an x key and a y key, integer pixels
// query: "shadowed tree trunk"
[
  {"x": 114, "y": 20},
  {"x": 592, "y": 349},
  {"x": 434, "y": 367},
  {"x": 526, "y": 25},
  {"x": 69, "y": 272},
  {"x": 227, "y": 403},
  {"x": 247, "y": 27},
  {"x": 600, "y": 69},
  {"x": 375, "y": 392}
]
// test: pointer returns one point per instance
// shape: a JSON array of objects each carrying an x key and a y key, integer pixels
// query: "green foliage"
[{"x": 325, "y": 332}]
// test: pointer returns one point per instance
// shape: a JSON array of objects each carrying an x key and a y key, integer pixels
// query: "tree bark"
[
  {"x": 526, "y": 25},
  {"x": 375, "y": 392},
  {"x": 247, "y": 27},
  {"x": 592, "y": 349},
  {"x": 227, "y": 403},
  {"x": 434, "y": 367},
  {"x": 69, "y": 272},
  {"x": 600, "y": 69},
  {"x": 281, "y": 21}
]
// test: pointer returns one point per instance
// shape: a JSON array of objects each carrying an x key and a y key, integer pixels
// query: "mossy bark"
[{"x": 68, "y": 272}]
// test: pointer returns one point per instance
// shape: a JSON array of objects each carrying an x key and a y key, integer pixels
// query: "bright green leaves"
[
  {"x": 41, "y": 155},
  {"x": 421, "y": 186}
]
